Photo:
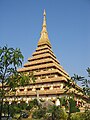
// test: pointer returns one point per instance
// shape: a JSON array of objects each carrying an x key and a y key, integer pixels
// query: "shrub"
[
  {"x": 81, "y": 116},
  {"x": 86, "y": 115},
  {"x": 73, "y": 107},
  {"x": 39, "y": 113},
  {"x": 57, "y": 113},
  {"x": 63, "y": 115},
  {"x": 76, "y": 116}
]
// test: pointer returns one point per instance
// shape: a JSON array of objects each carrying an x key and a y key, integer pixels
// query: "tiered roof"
[
  {"x": 50, "y": 76},
  {"x": 43, "y": 61}
]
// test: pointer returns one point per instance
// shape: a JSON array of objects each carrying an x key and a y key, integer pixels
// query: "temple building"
[{"x": 51, "y": 78}]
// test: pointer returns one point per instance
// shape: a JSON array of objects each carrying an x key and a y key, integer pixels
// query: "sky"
[{"x": 68, "y": 26}]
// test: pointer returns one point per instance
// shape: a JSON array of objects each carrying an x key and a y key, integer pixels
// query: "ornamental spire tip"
[
  {"x": 44, "y": 34},
  {"x": 44, "y": 13}
]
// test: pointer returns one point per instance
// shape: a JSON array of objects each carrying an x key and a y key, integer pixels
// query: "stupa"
[{"x": 50, "y": 76}]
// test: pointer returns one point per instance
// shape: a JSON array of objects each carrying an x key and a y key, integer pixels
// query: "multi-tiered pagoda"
[{"x": 51, "y": 78}]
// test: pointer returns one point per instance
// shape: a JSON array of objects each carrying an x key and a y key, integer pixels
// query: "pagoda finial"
[
  {"x": 44, "y": 34},
  {"x": 44, "y": 22},
  {"x": 44, "y": 13}
]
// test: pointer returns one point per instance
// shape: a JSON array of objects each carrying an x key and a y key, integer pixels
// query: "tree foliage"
[
  {"x": 10, "y": 60},
  {"x": 84, "y": 82},
  {"x": 80, "y": 115},
  {"x": 10, "y": 78}
]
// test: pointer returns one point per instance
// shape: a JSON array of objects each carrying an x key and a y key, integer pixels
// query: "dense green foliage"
[
  {"x": 84, "y": 82},
  {"x": 57, "y": 113},
  {"x": 53, "y": 113},
  {"x": 10, "y": 59},
  {"x": 39, "y": 113},
  {"x": 32, "y": 104},
  {"x": 73, "y": 107},
  {"x": 80, "y": 116}
]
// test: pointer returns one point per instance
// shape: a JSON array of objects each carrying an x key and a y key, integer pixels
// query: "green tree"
[
  {"x": 86, "y": 115},
  {"x": 39, "y": 113},
  {"x": 84, "y": 82},
  {"x": 73, "y": 107},
  {"x": 80, "y": 115},
  {"x": 57, "y": 113},
  {"x": 70, "y": 102},
  {"x": 88, "y": 70},
  {"x": 77, "y": 116},
  {"x": 10, "y": 60},
  {"x": 77, "y": 78}
]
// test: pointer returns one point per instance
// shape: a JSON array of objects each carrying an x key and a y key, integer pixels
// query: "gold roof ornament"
[{"x": 44, "y": 34}]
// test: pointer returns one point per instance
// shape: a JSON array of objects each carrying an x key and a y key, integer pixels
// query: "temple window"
[
  {"x": 50, "y": 76},
  {"x": 46, "y": 88},
  {"x": 21, "y": 90},
  {"x": 29, "y": 89},
  {"x": 36, "y": 70},
  {"x": 37, "y": 88},
  {"x": 56, "y": 87},
  {"x": 44, "y": 69},
  {"x": 43, "y": 77},
  {"x": 36, "y": 78}
]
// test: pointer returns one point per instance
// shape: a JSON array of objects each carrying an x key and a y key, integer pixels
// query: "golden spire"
[{"x": 44, "y": 34}]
